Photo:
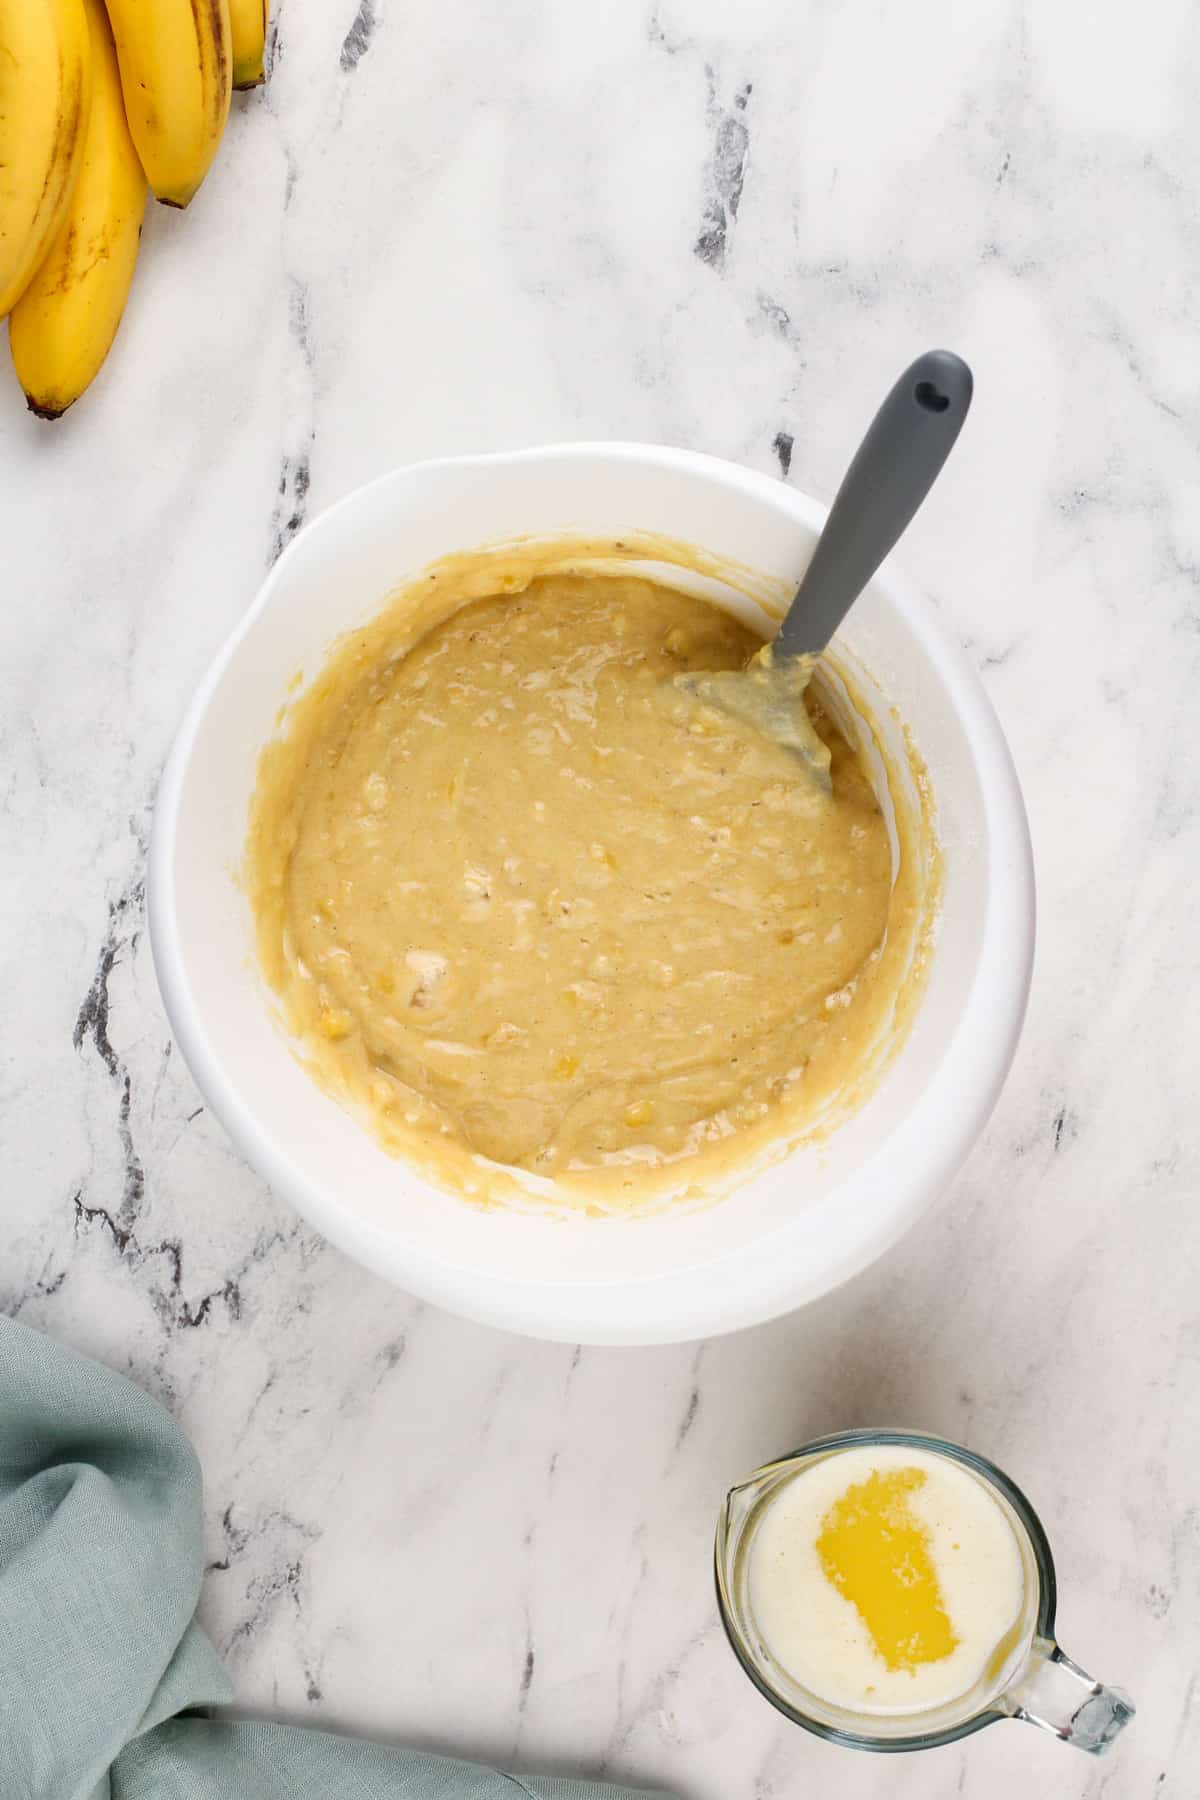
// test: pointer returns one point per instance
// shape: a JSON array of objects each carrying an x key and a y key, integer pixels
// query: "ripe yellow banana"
[
  {"x": 63, "y": 324},
  {"x": 44, "y": 89},
  {"x": 176, "y": 62},
  {"x": 248, "y": 19}
]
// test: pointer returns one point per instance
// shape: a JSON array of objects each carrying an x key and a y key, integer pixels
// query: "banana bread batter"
[{"x": 525, "y": 898}]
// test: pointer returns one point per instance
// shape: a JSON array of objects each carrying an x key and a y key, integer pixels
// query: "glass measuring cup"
[{"x": 1035, "y": 1681}]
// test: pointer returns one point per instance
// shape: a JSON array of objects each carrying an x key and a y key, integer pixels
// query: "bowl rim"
[{"x": 671, "y": 1306}]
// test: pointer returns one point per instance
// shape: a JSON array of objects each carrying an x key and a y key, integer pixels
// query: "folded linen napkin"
[{"x": 101, "y": 1659}]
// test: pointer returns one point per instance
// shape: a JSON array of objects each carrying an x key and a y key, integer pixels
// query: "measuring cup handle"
[{"x": 1055, "y": 1693}]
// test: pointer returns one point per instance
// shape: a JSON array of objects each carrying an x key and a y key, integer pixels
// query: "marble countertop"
[{"x": 446, "y": 228}]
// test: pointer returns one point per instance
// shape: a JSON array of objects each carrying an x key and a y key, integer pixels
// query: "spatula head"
[{"x": 768, "y": 696}]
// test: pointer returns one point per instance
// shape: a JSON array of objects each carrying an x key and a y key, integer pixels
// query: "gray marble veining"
[{"x": 452, "y": 228}]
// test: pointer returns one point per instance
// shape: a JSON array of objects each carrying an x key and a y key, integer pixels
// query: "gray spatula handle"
[{"x": 897, "y": 463}]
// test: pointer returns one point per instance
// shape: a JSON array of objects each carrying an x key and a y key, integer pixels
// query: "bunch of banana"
[{"x": 97, "y": 99}]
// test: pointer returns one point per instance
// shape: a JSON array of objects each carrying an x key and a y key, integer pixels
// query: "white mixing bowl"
[{"x": 793, "y": 1230}]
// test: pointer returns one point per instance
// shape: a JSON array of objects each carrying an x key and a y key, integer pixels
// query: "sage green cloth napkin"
[{"x": 100, "y": 1653}]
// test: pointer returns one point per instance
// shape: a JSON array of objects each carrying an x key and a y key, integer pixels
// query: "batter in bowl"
[{"x": 525, "y": 899}]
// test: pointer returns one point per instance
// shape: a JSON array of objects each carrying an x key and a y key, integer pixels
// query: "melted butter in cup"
[
  {"x": 544, "y": 923},
  {"x": 887, "y": 1580}
]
